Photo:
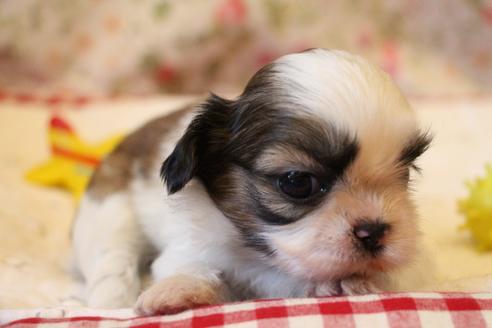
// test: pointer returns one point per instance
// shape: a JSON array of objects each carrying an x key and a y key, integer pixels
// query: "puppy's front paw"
[
  {"x": 358, "y": 285},
  {"x": 332, "y": 288},
  {"x": 354, "y": 285},
  {"x": 179, "y": 293}
]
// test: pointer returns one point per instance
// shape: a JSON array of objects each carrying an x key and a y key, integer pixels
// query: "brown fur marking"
[
  {"x": 179, "y": 293},
  {"x": 115, "y": 172}
]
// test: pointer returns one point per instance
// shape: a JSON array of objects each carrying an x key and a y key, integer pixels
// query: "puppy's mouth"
[
  {"x": 377, "y": 260},
  {"x": 363, "y": 262}
]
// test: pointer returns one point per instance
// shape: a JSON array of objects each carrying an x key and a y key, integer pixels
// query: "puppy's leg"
[
  {"x": 191, "y": 285},
  {"x": 107, "y": 246},
  {"x": 353, "y": 285}
]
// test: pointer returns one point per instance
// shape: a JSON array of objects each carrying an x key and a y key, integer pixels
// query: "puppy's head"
[{"x": 311, "y": 164}]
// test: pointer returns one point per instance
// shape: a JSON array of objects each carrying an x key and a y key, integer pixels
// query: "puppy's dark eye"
[{"x": 299, "y": 185}]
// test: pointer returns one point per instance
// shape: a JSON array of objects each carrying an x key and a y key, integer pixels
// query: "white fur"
[
  {"x": 108, "y": 244},
  {"x": 343, "y": 89}
]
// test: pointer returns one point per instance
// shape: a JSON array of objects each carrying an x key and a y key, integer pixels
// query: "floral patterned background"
[{"x": 112, "y": 47}]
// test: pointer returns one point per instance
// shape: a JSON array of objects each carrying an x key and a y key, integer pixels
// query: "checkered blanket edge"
[{"x": 375, "y": 310}]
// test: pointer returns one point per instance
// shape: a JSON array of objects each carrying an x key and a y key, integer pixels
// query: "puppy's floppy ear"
[
  {"x": 200, "y": 146},
  {"x": 181, "y": 165}
]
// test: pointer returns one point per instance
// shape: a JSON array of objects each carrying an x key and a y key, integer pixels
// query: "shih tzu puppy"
[{"x": 297, "y": 188}]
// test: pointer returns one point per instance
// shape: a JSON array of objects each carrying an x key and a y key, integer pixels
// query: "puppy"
[{"x": 297, "y": 188}]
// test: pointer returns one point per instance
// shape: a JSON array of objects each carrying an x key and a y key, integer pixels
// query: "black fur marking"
[{"x": 270, "y": 217}]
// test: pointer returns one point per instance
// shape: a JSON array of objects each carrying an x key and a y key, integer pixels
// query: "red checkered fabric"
[{"x": 383, "y": 310}]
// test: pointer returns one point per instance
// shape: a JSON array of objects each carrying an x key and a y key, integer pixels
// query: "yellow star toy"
[{"x": 73, "y": 161}]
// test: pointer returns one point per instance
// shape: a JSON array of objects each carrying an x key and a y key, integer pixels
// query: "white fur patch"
[{"x": 349, "y": 92}]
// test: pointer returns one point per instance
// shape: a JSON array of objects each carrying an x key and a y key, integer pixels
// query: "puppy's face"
[{"x": 311, "y": 164}]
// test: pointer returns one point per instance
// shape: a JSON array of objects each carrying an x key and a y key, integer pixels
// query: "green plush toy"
[{"x": 477, "y": 209}]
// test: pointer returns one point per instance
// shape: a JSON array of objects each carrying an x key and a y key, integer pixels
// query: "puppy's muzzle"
[{"x": 370, "y": 235}]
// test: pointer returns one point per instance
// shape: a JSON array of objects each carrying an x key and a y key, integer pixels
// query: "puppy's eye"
[{"x": 299, "y": 185}]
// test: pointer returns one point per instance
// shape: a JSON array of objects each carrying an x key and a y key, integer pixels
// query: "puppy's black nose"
[{"x": 370, "y": 235}]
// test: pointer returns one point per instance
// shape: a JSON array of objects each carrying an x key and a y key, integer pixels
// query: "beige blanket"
[{"x": 35, "y": 221}]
